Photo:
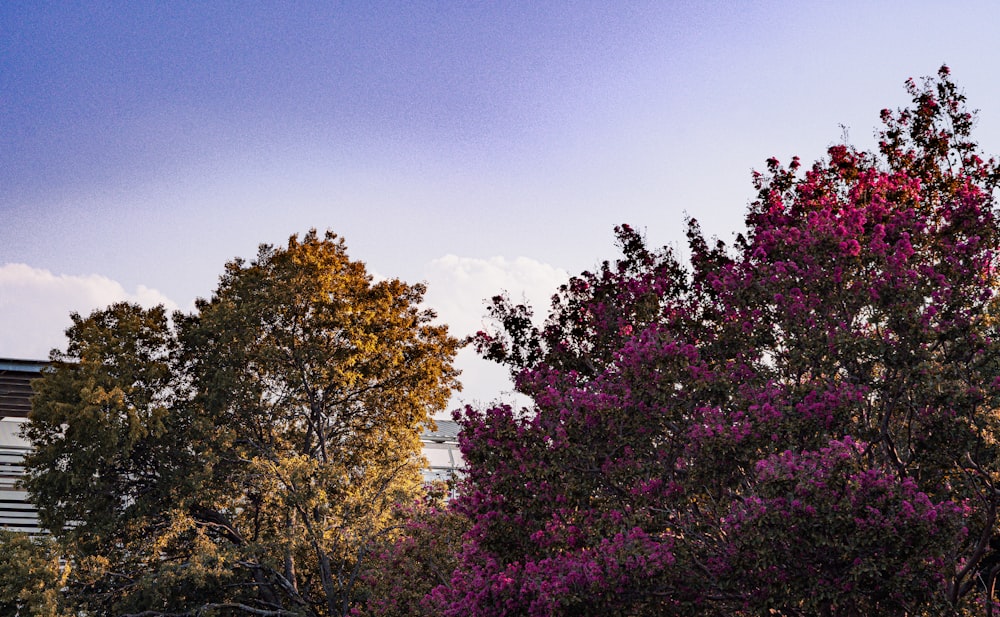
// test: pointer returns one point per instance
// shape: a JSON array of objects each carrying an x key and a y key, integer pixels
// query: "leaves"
[
  {"x": 31, "y": 577},
  {"x": 246, "y": 457},
  {"x": 803, "y": 423}
]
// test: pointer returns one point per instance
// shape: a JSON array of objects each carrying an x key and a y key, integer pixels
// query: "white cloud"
[
  {"x": 458, "y": 289},
  {"x": 35, "y": 306}
]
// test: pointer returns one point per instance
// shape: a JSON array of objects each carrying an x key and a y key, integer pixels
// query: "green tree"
[{"x": 248, "y": 457}]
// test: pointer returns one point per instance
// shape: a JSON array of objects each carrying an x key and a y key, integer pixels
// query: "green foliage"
[
  {"x": 247, "y": 457},
  {"x": 31, "y": 577}
]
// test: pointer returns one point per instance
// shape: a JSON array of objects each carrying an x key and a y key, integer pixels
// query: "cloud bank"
[
  {"x": 458, "y": 289},
  {"x": 35, "y": 306}
]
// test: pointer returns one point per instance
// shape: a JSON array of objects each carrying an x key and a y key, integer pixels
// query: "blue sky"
[{"x": 471, "y": 145}]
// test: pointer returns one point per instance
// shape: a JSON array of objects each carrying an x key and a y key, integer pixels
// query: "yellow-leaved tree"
[{"x": 245, "y": 458}]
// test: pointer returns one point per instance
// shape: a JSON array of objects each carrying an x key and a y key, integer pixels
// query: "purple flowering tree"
[{"x": 802, "y": 423}]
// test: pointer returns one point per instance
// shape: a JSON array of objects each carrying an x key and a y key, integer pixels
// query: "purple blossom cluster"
[
  {"x": 842, "y": 536},
  {"x": 802, "y": 423}
]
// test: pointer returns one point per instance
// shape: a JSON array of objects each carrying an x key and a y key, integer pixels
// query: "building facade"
[{"x": 16, "y": 512}]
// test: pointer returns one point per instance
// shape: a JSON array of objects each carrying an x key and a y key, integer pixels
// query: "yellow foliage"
[{"x": 248, "y": 453}]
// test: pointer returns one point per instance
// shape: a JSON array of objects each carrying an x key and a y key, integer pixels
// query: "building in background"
[
  {"x": 16, "y": 512},
  {"x": 444, "y": 459},
  {"x": 15, "y": 402}
]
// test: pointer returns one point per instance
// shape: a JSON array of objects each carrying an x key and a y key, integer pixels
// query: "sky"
[{"x": 475, "y": 146}]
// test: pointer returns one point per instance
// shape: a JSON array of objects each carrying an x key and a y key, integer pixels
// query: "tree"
[
  {"x": 247, "y": 458},
  {"x": 802, "y": 424}
]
